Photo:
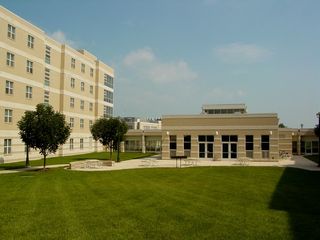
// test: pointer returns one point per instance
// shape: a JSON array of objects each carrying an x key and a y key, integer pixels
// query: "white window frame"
[
  {"x": 72, "y": 82},
  {"x": 71, "y": 144},
  {"x": 9, "y": 87},
  {"x": 71, "y": 122},
  {"x": 47, "y": 77},
  {"x": 72, "y": 102},
  {"x": 29, "y": 66},
  {"x": 81, "y": 123},
  {"x": 28, "y": 92},
  {"x": 73, "y": 63},
  {"x": 82, "y": 86},
  {"x": 82, "y": 104},
  {"x": 11, "y": 32},
  {"x": 47, "y": 57},
  {"x": 83, "y": 68},
  {"x": 10, "y": 59},
  {"x": 46, "y": 97},
  {"x": 30, "y": 41},
  {"x": 7, "y": 145},
  {"x": 8, "y": 115}
]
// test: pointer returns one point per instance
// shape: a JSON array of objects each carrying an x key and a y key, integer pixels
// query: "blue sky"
[{"x": 172, "y": 56}]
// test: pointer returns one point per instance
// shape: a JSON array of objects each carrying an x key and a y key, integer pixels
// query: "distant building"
[
  {"x": 223, "y": 108},
  {"x": 142, "y": 124}
]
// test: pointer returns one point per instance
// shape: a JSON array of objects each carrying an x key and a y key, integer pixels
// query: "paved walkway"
[{"x": 154, "y": 162}]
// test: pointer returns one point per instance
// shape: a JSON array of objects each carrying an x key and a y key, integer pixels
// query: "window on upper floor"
[
  {"x": 81, "y": 123},
  {"x": 30, "y": 42},
  {"x": 8, "y": 115},
  {"x": 81, "y": 104},
  {"x": 9, "y": 87},
  {"x": 71, "y": 102},
  {"x": 46, "y": 97},
  {"x": 81, "y": 143},
  {"x": 108, "y": 96},
  {"x": 73, "y": 63},
  {"x": 71, "y": 123},
  {"x": 10, "y": 59},
  {"x": 71, "y": 143},
  {"x": 91, "y": 107},
  {"x": 29, "y": 66},
  {"x": 107, "y": 111},
  {"x": 108, "y": 81},
  {"x": 91, "y": 89},
  {"x": 90, "y": 123},
  {"x": 72, "y": 82},
  {"x": 83, "y": 68},
  {"x": 48, "y": 54},
  {"x": 28, "y": 92},
  {"x": 47, "y": 77},
  {"x": 11, "y": 32},
  {"x": 82, "y": 86},
  {"x": 91, "y": 72}
]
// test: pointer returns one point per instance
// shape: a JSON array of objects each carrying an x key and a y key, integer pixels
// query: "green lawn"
[
  {"x": 189, "y": 203},
  {"x": 67, "y": 159}
]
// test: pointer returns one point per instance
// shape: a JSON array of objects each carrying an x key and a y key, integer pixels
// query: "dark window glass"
[
  {"x": 249, "y": 146},
  {"x": 210, "y": 138},
  {"x": 233, "y": 138},
  {"x": 265, "y": 146},
  {"x": 202, "y": 138},
  {"x": 302, "y": 148},
  {"x": 265, "y": 138},
  {"x": 249, "y": 138},
  {"x": 187, "y": 145},
  {"x": 225, "y": 138},
  {"x": 173, "y": 145},
  {"x": 187, "y": 138}
]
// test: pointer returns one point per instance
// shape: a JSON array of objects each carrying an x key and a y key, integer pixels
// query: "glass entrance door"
[
  {"x": 229, "y": 150},
  {"x": 206, "y": 150}
]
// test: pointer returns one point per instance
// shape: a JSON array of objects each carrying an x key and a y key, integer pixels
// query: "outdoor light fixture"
[
  {"x": 270, "y": 132},
  {"x": 217, "y": 133},
  {"x": 168, "y": 133}
]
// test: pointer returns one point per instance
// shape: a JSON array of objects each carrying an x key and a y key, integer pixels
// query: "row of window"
[
  {"x": 81, "y": 123},
  {"x": 7, "y": 149},
  {"x": 82, "y": 104}
]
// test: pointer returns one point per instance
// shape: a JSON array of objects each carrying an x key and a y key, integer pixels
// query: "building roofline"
[{"x": 233, "y": 115}]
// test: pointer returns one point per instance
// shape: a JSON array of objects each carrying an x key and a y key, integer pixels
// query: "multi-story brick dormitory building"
[{"x": 34, "y": 69}]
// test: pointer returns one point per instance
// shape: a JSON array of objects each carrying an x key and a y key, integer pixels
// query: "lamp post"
[{"x": 318, "y": 115}]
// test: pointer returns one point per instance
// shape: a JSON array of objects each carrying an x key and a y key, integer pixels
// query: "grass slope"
[
  {"x": 63, "y": 160},
  {"x": 190, "y": 203}
]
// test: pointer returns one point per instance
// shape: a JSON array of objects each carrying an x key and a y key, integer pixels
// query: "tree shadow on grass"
[{"x": 298, "y": 193}]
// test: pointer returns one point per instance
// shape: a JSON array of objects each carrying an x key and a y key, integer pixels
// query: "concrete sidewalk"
[{"x": 154, "y": 162}]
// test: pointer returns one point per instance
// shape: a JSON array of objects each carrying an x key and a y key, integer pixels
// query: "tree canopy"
[
  {"x": 44, "y": 129},
  {"x": 109, "y": 132}
]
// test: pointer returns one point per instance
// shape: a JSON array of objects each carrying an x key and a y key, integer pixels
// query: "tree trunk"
[
  {"x": 118, "y": 156},
  {"x": 44, "y": 161},
  {"x": 27, "y": 157}
]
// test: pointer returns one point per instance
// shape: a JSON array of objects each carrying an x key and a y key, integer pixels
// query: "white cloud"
[
  {"x": 241, "y": 53},
  {"x": 138, "y": 56},
  {"x": 62, "y": 38},
  {"x": 146, "y": 65}
]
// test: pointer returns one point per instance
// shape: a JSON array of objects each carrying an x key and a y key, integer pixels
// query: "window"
[
  {"x": 73, "y": 63},
  {"x": 71, "y": 123},
  {"x": 108, "y": 96},
  {"x": 82, "y": 86},
  {"x": 9, "y": 87},
  {"x": 265, "y": 146},
  {"x": 71, "y": 102},
  {"x": 28, "y": 92},
  {"x": 72, "y": 82},
  {"x": 173, "y": 145},
  {"x": 7, "y": 146},
  {"x": 82, "y": 104},
  {"x": 47, "y": 77},
  {"x": 229, "y": 138},
  {"x": 206, "y": 138},
  {"x": 7, "y": 115},
  {"x": 71, "y": 143},
  {"x": 81, "y": 123},
  {"x": 30, "y": 41},
  {"x": 91, "y": 89},
  {"x": 29, "y": 66},
  {"x": 46, "y": 97},
  {"x": 11, "y": 32},
  {"x": 107, "y": 111},
  {"x": 81, "y": 143},
  {"x": 187, "y": 145},
  {"x": 108, "y": 81},
  {"x": 90, "y": 106},
  {"x": 91, "y": 72},
  {"x": 83, "y": 68},
  {"x": 90, "y": 123},
  {"x": 249, "y": 146},
  {"x": 10, "y": 59},
  {"x": 48, "y": 55}
]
